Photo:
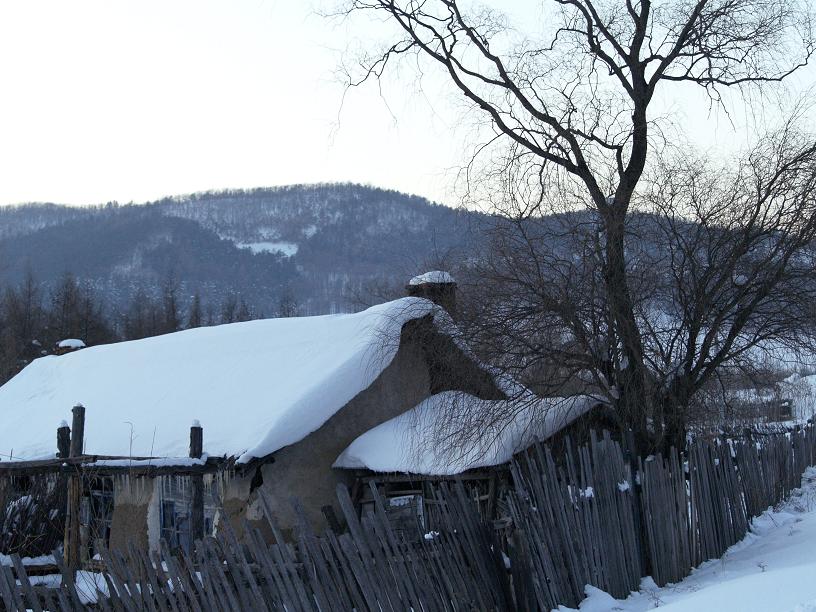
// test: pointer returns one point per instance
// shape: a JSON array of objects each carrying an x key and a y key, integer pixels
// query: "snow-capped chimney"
[{"x": 437, "y": 286}]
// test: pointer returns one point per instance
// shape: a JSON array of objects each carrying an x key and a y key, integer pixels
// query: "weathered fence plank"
[{"x": 592, "y": 516}]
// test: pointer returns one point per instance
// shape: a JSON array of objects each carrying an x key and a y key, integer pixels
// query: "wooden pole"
[
  {"x": 71, "y": 543},
  {"x": 77, "y": 430},
  {"x": 196, "y": 440},
  {"x": 63, "y": 441},
  {"x": 196, "y": 484}
]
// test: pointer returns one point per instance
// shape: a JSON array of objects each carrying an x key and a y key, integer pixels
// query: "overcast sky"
[{"x": 130, "y": 101}]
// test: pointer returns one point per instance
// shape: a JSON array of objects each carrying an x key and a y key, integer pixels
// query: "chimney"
[{"x": 437, "y": 286}]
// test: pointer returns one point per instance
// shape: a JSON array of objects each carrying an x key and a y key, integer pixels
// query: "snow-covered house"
[
  {"x": 68, "y": 345},
  {"x": 279, "y": 400}
]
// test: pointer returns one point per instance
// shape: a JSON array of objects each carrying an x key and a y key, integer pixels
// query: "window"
[
  {"x": 176, "y": 510},
  {"x": 97, "y": 513}
]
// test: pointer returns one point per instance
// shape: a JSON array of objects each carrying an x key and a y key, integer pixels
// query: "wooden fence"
[
  {"x": 598, "y": 519},
  {"x": 594, "y": 516}
]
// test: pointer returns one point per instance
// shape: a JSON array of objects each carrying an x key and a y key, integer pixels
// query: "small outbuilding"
[{"x": 452, "y": 435}]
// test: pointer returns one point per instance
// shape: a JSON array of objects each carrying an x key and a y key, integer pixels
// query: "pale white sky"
[{"x": 133, "y": 100}]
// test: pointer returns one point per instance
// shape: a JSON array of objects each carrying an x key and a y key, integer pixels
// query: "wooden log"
[
  {"x": 77, "y": 430},
  {"x": 63, "y": 441},
  {"x": 72, "y": 541},
  {"x": 196, "y": 484}
]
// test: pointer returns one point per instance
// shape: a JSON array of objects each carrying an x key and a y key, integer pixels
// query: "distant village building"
[
  {"x": 68, "y": 345},
  {"x": 286, "y": 407}
]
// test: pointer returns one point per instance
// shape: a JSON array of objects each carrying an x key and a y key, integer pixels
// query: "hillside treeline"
[{"x": 34, "y": 319}]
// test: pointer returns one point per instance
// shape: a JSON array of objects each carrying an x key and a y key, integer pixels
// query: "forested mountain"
[{"x": 317, "y": 245}]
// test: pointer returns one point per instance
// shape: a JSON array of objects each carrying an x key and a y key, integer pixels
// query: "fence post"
[
  {"x": 71, "y": 544},
  {"x": 196, "y": 484},
  {"x": 631, "y": 457},
  {"x": 63, "y": 440}
]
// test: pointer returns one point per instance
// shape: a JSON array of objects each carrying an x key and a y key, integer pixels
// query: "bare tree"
[
  {"x": 737, "y": 278},
  {"x": 288, "y": 305},
  {"x": 171, "y": 317},
  {"x": 719, "y": 268},
  {"x": 75, "y": 312},
  {"x": 244, "y": 312},
  {"x": 143, "y": 318},
  {"x": 21, "y": 325},
  {"x": 229, "y": 309},
  {"x": 571, "y": 122}
]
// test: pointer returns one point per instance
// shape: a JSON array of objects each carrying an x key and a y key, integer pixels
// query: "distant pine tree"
[
  {"x": 195, "y": 316},
  {"x": 287, "y": 305},
  {"x": 244, "y": 313},
  {"x": 229, "y": 309},
  {"x": 171, "y": 319}
]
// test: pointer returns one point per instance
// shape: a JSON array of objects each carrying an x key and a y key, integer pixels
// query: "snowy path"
[{"x": 772, "y": 570}]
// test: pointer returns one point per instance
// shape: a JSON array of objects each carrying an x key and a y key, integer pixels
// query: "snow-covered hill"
[{"x": 319, "y": 243}]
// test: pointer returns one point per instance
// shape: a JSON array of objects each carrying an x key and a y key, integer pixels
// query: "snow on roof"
[
  {"x": 255, "y": 387},
  {"x": 435, "y": 277},
  {"x": 72, "y": 343},
  {"x": 415, "y": 442},
  {"x": 162, "y": 462}
]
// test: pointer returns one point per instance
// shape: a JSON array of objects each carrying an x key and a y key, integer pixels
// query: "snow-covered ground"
[{"x": 772, "y": 570}]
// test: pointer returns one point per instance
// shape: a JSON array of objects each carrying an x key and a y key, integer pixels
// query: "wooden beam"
[
  {"x": 474, "y": 475},
  {"x": 90, "y": 461},
  {"x": 94, "y": 469}
]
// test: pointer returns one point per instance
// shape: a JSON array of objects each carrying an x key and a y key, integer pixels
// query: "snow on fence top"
[
  {"x": 435, "y": 277},
  {"x": 255, "y": 387},
  {"x": 71, "y": 343},
  {"x": 419, "y": 441}
]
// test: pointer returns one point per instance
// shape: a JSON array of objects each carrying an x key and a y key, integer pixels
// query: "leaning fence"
[
  {"x": 593, "y": 515},
  {"x": 596, "y": 518}
]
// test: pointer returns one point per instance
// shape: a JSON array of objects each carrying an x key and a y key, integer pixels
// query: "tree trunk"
[
  {"x": 633, "y": 404},
  {"x": 675, "y": 426}
]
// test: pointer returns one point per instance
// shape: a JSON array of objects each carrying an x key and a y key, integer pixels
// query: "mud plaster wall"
[
  {"x": 237, "y": 504},
  {"x": 304, "y": 471},
  {"x": 135, "y": 513},
  {"x": 426, "y": 362}
]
